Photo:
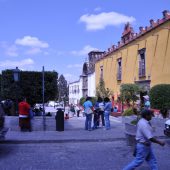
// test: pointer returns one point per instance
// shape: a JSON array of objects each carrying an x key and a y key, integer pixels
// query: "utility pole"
[{"x": 44, "y": 121}]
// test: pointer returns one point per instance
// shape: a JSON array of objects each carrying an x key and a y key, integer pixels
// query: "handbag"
[{"x": 89, "y": 111}]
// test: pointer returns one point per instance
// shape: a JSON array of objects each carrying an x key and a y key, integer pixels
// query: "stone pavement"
[
  {"x": 74, "y": 148},
  {"x": 74, "y": 131}
]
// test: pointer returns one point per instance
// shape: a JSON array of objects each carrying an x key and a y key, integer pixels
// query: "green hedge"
[
  {"x": 160, "y": 97},
  {"x": 29, "y": 86},
  {"x": 130, "y": 111}
]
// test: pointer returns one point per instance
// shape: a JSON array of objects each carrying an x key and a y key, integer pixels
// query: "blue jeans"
[
  {"x": 143, "y": 153},
  {"x": 88, "y": 121},
  {"x": 107, "y": 120}
]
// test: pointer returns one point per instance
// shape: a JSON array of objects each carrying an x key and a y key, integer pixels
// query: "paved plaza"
[{"x": 74, "y": 149}]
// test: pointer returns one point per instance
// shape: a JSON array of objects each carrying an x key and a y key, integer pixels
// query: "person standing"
[
  {"x": 24, "y": 118},
  {"x": 72, "y": 110},
  {"x": 2, "y": 114},
  {"x": 144, "y": 138},
  {"x": 66, "y": 111},
  {"x": 101, "y": 111},
  {"x": 59, "y": 120},
  {"x": 77, "y": 109},
  {"x": 107, "y": 111},
  {"x": 88, "y": 109},
  {"x": 146, "y": 102},
  {"x": 96, "y": 117},
  {"x": 3, "y": 129}
]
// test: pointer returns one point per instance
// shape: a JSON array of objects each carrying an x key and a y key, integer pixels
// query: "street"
[
  {"x": 101, "y": 155},
  {"x": 75, "y": 148}
]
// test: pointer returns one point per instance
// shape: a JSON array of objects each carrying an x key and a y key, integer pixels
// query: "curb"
[{"x": 38, "y": 141}]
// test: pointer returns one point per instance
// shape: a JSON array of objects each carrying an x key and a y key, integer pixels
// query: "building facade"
[
  {"x": 142, "y": 58},
  {"x": 85, "y": 86},
  {"x": 75, "y": 92}
]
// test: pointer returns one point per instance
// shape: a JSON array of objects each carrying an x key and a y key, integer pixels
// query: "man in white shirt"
[{"x": 144, "y": 138}]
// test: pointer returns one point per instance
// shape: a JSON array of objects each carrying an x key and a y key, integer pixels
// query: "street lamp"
[{"x": 16, "y": 74}]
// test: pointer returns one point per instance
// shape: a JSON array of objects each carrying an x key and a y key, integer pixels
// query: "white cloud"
[
  {"x": 31, "y": 42},
  {"x": 75, "y": 66},
  {"x": 12, "y": 64},
  {"x": 84, "y": 51},
  {"x": 102, "y": 20},
  {"x": 70, "y": 77},
  {"x": 97, "y": 9},
  {"x": 12, "y": 51},
  {"x": 33, "y": 51}
]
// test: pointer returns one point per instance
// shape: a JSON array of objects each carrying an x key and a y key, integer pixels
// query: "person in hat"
[
  {"x": 146, "y": 102},
  {"x": 144, "y": 138}
]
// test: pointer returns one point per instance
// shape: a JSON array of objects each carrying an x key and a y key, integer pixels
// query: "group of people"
[
  {"x": 72, "y": 110},
  {"x": 100, "y": 112}
]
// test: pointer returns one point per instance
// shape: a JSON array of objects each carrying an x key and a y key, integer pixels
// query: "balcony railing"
[{"x": 119, "y": 75}]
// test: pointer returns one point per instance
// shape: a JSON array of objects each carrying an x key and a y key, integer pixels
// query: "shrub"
[
  {"x": 160, "y": 98},
  {"x": 134, "y": 122},
  {"x": 128, "y": 112},
  {"x": 83, "y": 99}
]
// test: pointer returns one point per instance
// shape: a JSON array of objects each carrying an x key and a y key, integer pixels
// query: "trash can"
[{"x": 59, "y": 120}]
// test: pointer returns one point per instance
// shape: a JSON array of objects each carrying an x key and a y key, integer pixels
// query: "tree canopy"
[
  {"x": 128, "y": 92},
  {"x": 29, "y": 86},
  {"x": 62, "y": 89},
  {"x": 102, "y": 91}
]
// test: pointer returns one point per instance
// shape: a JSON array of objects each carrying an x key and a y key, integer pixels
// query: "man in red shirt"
[{"x": 24, "y": 118}]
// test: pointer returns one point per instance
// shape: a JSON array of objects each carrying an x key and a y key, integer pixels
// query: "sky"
[{"x": 59, "y": 34}]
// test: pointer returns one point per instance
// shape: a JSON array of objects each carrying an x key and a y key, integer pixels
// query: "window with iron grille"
[
  {"x": 142, "y": 62},
  {"x": 101, "y": 72},
  {"x": 119, "y": 69}
]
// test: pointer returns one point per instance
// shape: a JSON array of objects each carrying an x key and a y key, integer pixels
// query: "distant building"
[
  {"x": 86, "y": 85},
  {"x": 75, "y": 92}
]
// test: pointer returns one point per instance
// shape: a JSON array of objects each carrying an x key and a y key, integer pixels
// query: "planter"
[
  {"x": 130, "y": 133},
  {"x": 128, "y": 119}
]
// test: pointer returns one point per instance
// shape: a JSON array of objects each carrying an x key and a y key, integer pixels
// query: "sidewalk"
[{"x": 74, "y": 131}]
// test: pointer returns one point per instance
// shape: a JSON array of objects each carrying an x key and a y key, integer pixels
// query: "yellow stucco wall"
[{"x": 157, "y": 60}]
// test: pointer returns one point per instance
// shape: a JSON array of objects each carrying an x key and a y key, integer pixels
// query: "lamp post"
[
  {"x": 16, "y": 74},
  {"x": 43, "y": 91}
]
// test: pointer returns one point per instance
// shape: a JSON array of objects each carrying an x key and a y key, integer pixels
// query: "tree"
[
  {"x": 160, "y": 98},
  {"x": 62, "y": 89},
  {"x": 29, "y": 86},
  {"x": 128, "y": 93},
  {"x": 101, "y": 91},
  {"x": 83, "y": 99}
]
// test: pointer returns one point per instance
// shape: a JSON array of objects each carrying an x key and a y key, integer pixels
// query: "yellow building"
[{"x": 142, "y": 58}]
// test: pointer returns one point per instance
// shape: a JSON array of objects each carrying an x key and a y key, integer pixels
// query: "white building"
[
  {"x": 75, "y": 92},
  {"x": 85, "y": 86}
]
